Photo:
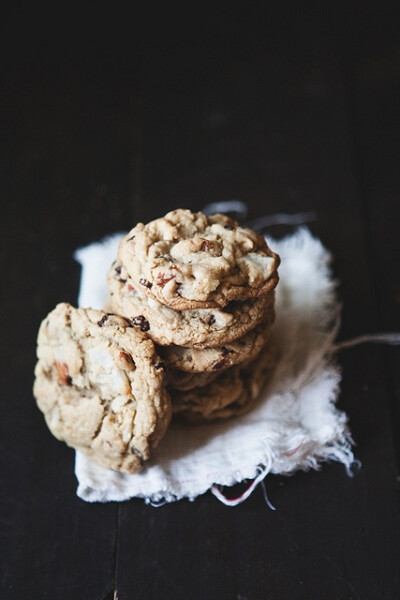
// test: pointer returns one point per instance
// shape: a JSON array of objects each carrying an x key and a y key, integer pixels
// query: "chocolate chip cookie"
[
  {"x": 231, "y": 393},
  {"x": 100, "y": 385},
  {"x": 190, "y": 260},
  {"x": 183, "y": 381},
  {"x": 196, "y": 328},
  {"x": 195, "y": 360}
]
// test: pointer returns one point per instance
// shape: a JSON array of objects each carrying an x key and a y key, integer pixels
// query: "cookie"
[
  {"x": 190, "y": 260},
  {"x": 182, "y": 381},
  {"x": 231, "y": 394},
  {"x": 100, "y": 384},
  {"x": 196, "y": 328},
  {"x": 200, "y": 360}
]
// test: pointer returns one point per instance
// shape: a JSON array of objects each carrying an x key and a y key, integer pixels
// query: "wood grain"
[{"x": 105, "y": 123}]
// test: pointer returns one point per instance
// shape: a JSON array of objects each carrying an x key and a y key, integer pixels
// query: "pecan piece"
[
  {"x": 127, "y": 359},
  {"x": 207, "y": 245},
  {"x": 163, "y": 278},
  {"x": 63, "y": 373}
]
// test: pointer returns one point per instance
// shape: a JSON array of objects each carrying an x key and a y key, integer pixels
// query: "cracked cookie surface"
[
  {"x": 99, "y": 383},
  {"x": 195, "y": 328},
  {"x": 230, "y": 394},
  {"x": 190, "y": 260}
]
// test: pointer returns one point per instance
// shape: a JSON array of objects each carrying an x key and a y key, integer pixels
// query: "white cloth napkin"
[{"x": 294, "y": 425}]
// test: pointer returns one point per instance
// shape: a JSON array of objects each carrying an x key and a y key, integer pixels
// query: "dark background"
[{"x": 108, "y": 118}]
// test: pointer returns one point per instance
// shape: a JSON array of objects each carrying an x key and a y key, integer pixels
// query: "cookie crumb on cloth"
[{"x": 295, "y": 424}]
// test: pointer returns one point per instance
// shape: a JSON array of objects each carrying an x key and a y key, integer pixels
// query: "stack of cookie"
[{"x": 202, "y": 288}]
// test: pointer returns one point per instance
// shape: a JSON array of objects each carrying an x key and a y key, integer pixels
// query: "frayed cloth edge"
[{"x": 336, "y": 451}]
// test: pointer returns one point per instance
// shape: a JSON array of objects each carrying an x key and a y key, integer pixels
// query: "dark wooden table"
[{"x": 108, "y": 120}]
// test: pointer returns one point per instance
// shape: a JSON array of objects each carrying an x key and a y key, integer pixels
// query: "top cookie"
[
  {"x": 100, "y": 385},
  {"x": 190, "y": 260}
]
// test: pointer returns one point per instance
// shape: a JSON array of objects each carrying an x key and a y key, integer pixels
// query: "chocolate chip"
[
  {"x": 69, "y": 380},
  {"x": 145, "y": 283},
  {"x": 229, "y": 227},
  {"x": 131, "y": 238},
  {"x": 117, "y": 272},
  {"x": 159, "y": 364},
  {"x": 141, "y": 322},
  {"x": 219, "y": 364},
  {"x": 102, "y": 321},
  {"x": 211, "y": 320}
]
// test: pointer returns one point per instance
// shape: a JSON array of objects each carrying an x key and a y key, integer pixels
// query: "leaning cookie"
[
  {"x": 100, "y": 385},
  {"x": 201, "y": 360},
  {"x": 231, "y": 394},
  {"x": 190, "y": 260},
  {"x": 196, "y": 328}
]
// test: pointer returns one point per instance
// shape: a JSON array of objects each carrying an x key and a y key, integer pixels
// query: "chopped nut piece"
[
  {"x": 163, "y": 278},
  {"x": 63, "y": 373},
  {"x": 207, "y": 245},
  {"x": 127, "y": 358}
]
